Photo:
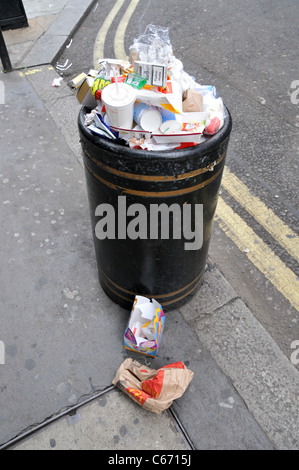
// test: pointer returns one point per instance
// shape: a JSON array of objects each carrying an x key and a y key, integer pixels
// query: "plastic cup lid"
[{"x": 124, "y": 96}]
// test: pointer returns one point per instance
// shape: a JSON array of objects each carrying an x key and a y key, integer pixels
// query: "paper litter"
[
  {"x": 166, "y": 107},
  {"x": 154, "y": 390}
]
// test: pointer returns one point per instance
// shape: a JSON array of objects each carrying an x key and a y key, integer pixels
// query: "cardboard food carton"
[
  {"x": 145, "y": 326},
  {"x": 84, "y": 94},
  {"x": 193, "y": 125}
]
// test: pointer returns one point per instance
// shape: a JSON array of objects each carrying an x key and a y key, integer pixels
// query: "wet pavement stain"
[{"x": 30, "y": 364}]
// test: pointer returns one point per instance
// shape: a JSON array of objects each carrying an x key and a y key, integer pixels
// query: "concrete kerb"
[
  {"x": 86, "y": 11},
  {"x": 47, "y": 49}
]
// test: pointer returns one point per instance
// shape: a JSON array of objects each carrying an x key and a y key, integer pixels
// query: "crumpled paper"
[
  {"x": 192, "y": 101},
  {"x": 154, "y": 390}
]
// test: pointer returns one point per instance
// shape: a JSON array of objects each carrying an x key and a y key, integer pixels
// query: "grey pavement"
[
  {"x": 51, "y": 23},
  {"x": 64, "y": 338}
]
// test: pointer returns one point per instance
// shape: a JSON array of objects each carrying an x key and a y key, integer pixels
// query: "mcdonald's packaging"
[
  {"x": 145, "y": 326},
  {"x": 192, "y": 101},
  {"x": 154, "y": 390}
]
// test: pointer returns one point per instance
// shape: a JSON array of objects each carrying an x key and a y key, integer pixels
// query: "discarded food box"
[
  {"x": 77, "y": 81},
  {"x": 191, "y": 127},
  {"x": 145, "y": 326},
  {"x": 84, "y": 86}
]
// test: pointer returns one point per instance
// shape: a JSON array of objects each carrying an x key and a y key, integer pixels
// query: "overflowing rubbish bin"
[{"x": 153, "y": 174}]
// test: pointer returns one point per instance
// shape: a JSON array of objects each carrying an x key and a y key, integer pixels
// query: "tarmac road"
[{"x": 245, "y": 49}]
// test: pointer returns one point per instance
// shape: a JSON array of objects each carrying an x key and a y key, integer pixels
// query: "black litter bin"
[{"x": 138, "y": 186}]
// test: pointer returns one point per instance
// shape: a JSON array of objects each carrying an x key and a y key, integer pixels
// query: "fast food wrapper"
[
  {"x": 154, "y": 390},
  {"x": 145, "y": 326},
  {"x": 192, "y": 101}
]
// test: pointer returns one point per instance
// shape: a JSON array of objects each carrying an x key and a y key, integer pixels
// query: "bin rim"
[{"x": 175, "y": 154}]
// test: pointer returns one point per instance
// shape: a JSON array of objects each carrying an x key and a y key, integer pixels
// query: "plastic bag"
[
  {"x": 153, "y": 46},
  {"x": 215, "y": 109}
]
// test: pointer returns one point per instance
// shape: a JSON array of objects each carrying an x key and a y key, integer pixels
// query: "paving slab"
[
  {"x": 213, "y": 413},
  {"x": 18, "y": 51},
  {"x": 43, "y": 51},
  {"x": 37, "y": 26},
  {"x": 67, "y": 20},
  {"x": 50, "y": 26},
  {"x": 20, "y": 42},
  {"x": 214, "y": 293},
  {"x": 112, "y": 422},
  {"x": 53, "y": 312},
  {"x": 61, "y": 104},
  {"x": 260, "y": 372},
  {"x": 35, "y": 8}
]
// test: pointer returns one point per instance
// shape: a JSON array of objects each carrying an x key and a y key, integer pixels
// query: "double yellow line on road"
[
  {"x": 265, "y": 216},
  {"x": 257, "y": 251},
  {"x": 119, "y": 48}
]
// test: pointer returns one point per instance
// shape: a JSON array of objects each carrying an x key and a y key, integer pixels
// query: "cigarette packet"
[{"x": 155, "y": 74}]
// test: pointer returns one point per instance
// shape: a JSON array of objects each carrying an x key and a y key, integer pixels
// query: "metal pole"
[{"x": 4, "y": 54}]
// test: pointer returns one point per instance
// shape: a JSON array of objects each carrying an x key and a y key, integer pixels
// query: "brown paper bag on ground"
[
  {"x": 153, "y": 389},
  {"x": 192, "y": 101}
]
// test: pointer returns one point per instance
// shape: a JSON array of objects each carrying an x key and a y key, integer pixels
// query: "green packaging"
[{"x": 135, "y": 81}]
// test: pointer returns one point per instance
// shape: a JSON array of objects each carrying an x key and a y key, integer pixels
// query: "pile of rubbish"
[
  {"x": 149, "y": 102},
  {"x": 154, "y": 390}
]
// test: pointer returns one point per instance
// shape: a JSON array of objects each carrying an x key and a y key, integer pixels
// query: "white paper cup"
[
  {"x": 171, "y": 122},
  {"x": 119, "y": 105},
  {"x": 147, "y": 117}
]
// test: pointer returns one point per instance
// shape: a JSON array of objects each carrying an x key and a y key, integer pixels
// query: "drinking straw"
[{"x": 116, "y": 81}]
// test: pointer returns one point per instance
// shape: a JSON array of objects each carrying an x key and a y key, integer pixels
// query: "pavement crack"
[{"x": 227, "y": 304}]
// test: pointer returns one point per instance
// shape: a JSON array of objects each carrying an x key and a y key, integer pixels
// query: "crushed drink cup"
[
  {"x": 148, "y": 117},
  {"x": 171, "y": 122}
]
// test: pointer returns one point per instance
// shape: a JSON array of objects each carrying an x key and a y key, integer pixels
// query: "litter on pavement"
[
  {"x": 154, "y": 390},
  {"x": 149, "y": 102},
  {"x": 57, "y": 82},
  {"x": 145, "y": 326}
]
